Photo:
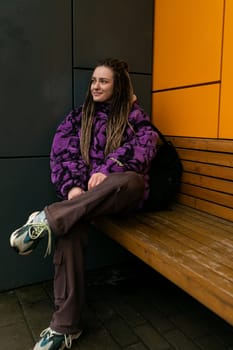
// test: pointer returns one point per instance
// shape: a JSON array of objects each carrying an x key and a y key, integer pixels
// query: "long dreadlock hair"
[{"x": 121, "y": 103}]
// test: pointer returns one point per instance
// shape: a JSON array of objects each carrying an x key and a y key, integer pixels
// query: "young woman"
[{"x": 100, "y": 158}]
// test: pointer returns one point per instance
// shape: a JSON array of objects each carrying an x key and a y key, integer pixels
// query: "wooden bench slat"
[
  {"x": 217, "y": 158},
  {"x": 208, "y": 182},
  {"x": 188, "y": 226},
  {"x": 212, "y": 196},
  {"x": 216, "y": 145},
  {"x": 220, "y": 250},
  {"x": 214, "y": 222},
  {"x": 189, "y": 249},
  {"x": 221, "y": 172},
  {"x": 206, "y": 206},
  {"x": 201, "y": 223}
]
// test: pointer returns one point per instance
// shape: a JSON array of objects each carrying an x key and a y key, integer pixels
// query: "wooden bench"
[{"x": 192, "y": 244}]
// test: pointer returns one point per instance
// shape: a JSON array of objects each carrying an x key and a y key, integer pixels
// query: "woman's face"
[{"x": 102, "y": 84}]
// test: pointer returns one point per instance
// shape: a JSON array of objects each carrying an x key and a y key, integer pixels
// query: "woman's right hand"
[{"x": 75, "y": 192}]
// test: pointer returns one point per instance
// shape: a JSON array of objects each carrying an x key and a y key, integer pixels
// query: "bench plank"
[
  {"x": 215, "y": 145},
  {"x": 211, "y": 195},
  {"x": 219, "y": 243},
  {"x": 209, "y": 182},
  {"x": 204, "y": 205},
  {"x": 208, "y": 169},
  {"x": 198, "y": 223},
  {"x": 217, "y": 158}
]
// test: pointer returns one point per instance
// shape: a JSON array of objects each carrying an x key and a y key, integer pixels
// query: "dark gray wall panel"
[
  {"x": 81, "y": 80},
  {"x": 141, "y": 83},
  {"x": 24, "y": 187},
  {"x": 36, "y": 91},
  {"x": 35, "y": 71},
  {"x": 142, "y": 88},
  {"x": 113, "y": 28},
  {"x": 103, "y": 251}
]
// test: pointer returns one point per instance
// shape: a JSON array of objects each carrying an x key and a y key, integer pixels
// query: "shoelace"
[
  {"x": 49, "y": 332},
  {"x": 38, "y": 229}
]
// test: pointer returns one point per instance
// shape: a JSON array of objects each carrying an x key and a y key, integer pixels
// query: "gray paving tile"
[
  {"x": 31, "y": 294},
  {"x": 37, "y": 316},
  {"x": 16, "y": 336},
  {"x": 99, "y": 339},
  {"x": 130, "y": 315},
  {"x": 222, "y": 330},
  {"x": 151, "y": 314},
  {"x": 10, "y": 309},
  {"x": 151, "y": 338},
  {"x": 191, "y": 326},
  {"x": 138, "y": 346},
  {"x": 211, "y": 342},
  {"x": 121, "y": 332},
  {"x": 179, "y": 341}
]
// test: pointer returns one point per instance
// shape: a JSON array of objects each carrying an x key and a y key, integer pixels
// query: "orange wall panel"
[
  {"x": 187, "y": 42},
  {"x": 226, "y": 103},
  {"x": 187, "y": 112}
]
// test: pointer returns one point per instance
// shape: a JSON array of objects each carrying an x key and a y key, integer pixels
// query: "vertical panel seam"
[
  {"x": 72, "y": 48},
  {"x": 221, "y": 68}
]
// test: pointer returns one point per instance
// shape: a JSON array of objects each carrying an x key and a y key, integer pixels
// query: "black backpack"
[{"x": 165, "y": 176}]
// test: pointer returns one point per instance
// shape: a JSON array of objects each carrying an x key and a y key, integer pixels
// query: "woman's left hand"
[{"x": 95, "y": 180}]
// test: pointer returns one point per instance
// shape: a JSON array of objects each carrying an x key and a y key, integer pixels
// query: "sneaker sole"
[{"x": 12, "y": 238}]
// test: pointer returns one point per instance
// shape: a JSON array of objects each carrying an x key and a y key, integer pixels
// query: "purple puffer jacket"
[{"x": 135, "y": 153}]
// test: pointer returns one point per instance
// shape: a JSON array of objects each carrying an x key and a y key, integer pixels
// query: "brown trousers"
[{"x": 68, "y": 219}]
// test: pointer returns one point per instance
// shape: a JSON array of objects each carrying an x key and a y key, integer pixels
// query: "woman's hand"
[
  {"x": 75, "y": 192},
  {"x": 95, "y": 180}
]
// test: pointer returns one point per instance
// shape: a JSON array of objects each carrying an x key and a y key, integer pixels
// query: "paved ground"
[{"x": 130, "y": 308}]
